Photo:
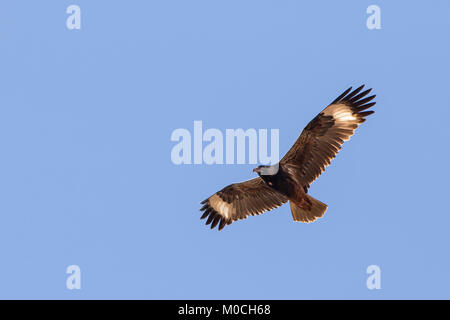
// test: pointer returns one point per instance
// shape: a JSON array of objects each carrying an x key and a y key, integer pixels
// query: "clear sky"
[{"x": 86, "y": 176}]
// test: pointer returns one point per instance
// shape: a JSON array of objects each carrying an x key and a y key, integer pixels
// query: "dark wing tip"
[
  {"x": 342, "y": 95},
  {"x": 215, "y": 221},
  {"x": 211, "y": 216},
  {"x": 349, "y": 95},
  {"x": 357, "y": 100},
  {"x": 222, "y": 224},
  {"x": 214, "y": 218},
  {"x": 366, "y": 113},
  {"x": 353, "y": 93}
]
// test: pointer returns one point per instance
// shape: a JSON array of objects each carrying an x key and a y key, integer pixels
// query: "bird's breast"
[{"x": 285, "y": 185}]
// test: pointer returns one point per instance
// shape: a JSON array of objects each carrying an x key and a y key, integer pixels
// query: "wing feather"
[
  {"x": 238, "y": 201},
  {"x": 323, "y": 137}
]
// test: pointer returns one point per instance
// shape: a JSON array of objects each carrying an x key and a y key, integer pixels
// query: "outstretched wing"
[
  {"x": 239, "y": 200},
  {"x": 322, "y": 138}
]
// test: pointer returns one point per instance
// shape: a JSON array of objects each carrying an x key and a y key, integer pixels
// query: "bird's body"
[
  {"x": 285, "y": 182},
  {"x": 290, "y": 179}
]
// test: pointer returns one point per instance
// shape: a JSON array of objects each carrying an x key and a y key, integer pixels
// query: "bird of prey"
[{"x": 290, "y": 179}]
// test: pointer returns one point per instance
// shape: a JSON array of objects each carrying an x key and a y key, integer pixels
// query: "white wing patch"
[
  {"x": 344, "y": 116},
  {"x": 340, "y": 112},
  {"x": 223, "y": 208},
  {"x": 344, "y": 119}
]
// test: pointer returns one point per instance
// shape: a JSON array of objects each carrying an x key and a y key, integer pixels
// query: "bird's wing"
[
  {"x": 239, "y": 200},
  {"x": 322, "y": 138}
]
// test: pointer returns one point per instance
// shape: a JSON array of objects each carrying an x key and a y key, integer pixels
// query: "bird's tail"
[{"x": 308, "y": 210}]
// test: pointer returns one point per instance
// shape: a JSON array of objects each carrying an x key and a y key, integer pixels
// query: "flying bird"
[{"x": 290, "y": 179}]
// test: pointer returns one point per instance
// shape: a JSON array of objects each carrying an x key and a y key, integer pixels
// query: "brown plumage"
[{"x": 290, "y": 179}]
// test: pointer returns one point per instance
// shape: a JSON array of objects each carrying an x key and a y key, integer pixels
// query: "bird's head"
[
  {"x": 266, "y": 170},
  {"x": 258, "y": 169}
]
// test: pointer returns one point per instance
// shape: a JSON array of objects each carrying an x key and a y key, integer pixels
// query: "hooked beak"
[{"x": 257, "y": 170}]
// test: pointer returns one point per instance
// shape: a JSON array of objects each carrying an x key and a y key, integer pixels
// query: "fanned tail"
[{"x": 309, "y": 210}]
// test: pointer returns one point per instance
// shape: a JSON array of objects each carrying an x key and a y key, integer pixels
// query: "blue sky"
[{"x": 86, "y": 176}]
